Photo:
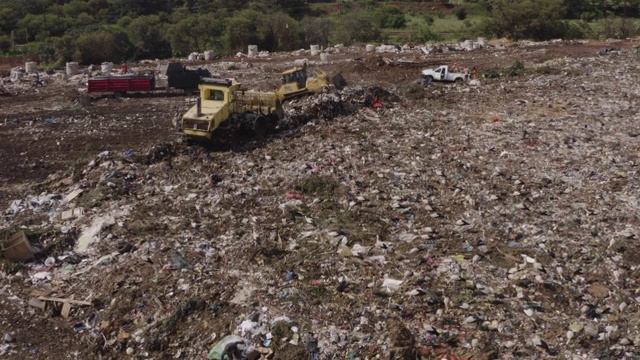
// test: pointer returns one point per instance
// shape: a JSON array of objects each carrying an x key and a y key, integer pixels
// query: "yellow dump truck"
[
  {"x": 296, "y": 82},
  {"x": 222, "y": 105}
]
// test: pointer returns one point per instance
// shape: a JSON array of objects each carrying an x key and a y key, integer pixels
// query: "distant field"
[
  {"x": 448, "y": 26},
  {"x": 598, "y": 26},
  {"x": 445, "y": 22}
]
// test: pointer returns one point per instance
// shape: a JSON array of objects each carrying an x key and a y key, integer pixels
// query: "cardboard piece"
[
  {"x": 72, "y": 195},
  {"x": 17, "y": 247},
  {"x": 66, "y": 309},
  {"x": 72, "y": 213},
  {"x": 69, "y": 301},
  {"x": 36, "y": 303}
]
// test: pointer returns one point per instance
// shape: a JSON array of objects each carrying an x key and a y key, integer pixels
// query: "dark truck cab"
[{"x": 179, "y": 77}]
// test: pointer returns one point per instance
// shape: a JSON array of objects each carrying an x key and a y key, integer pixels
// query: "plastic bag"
[{"x": 218, "y": 349}]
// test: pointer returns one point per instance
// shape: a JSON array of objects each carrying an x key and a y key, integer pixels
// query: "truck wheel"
[
  {"x": 428, "y": 78},
  {"x": 459, "y": 81},
  {"x": 260, "y": 126}
]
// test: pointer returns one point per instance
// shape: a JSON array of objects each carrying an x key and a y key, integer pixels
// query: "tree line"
[{"x": 92, "y": 31}]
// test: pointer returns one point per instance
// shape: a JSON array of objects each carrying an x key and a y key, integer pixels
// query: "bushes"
[
  {"x": 619, "y": 28},
  {"x": 98, "y": 47},
  {"x": 65, "y": 48},
  {"x": 356, "y": 26},
  {"x": 5, "y": 43},
  {"x": 425, "y": 34},
  {"x": 8, "y": 20},
  {"x": 316, "y": 30},
  {"x": 429, "y": 20},
  {"x": 390, "y": 17},
  {"x": 460, "y": 13},
  {"x": 242, "y": 29},
  {"x": 516, "y": 69},
  {"x": 198, "y": 32},
  {"x": 274, "y": 32},
  {"x": 415, "y": 91},
  {"x": 525, "y": 19},
  {"x": 147, "y": 36}
]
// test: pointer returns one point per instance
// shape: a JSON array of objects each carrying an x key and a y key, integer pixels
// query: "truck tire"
[
  {"x": 265, "y": 124},
  {"x": 428, "y": 79},
  {"x": 459, "y": 81},
  {"x": 260, "y": 126}
]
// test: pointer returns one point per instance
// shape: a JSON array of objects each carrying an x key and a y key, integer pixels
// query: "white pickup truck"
[{"x": 442, "y": 74}]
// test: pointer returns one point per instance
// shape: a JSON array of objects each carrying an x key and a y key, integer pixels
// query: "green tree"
[
  {"x": 46, "y": 50},
  {"x": 197, "y": 33},
  {"x": 8, "y": 20},
  {"x": 287, "y": 4},
  {"x": 428, "y": 19},
  {"x": 65, "y": 48},
  {"x": 617, "y": 23},
  {"x": 83, "y": 19},
  {"x": 139, "y": 7},
  {"x": 204, "y": 6},
  {"x": 316, "y": 30},
  {"x": 147, "y": 36},
  {"x": 29, "y": 26},
  {"x": 87, "y": 51},
  {"x": 242, "y": 29},
  {"x": 279, "y": 31},
  {"x": 75, "y": 8},
  {"x": 390, "y": 17},
  {"x": 426, "y": 34},
  {"x": 5, "y": 43},
  {"x": 295, "y": 8},
  {"x": 576, "y": 9},
  {"x": 528, "y": 19},
  {"x": 124, "y": 21},
  {"x": 356, "y": 26},
  {"x": 460, "y": 13},
  {"x": 24, "y": 7}
]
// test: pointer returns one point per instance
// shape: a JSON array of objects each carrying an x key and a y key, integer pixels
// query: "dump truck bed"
[
  {"x": 118, "y": 84},
  {"x": 261, "y": 102}
]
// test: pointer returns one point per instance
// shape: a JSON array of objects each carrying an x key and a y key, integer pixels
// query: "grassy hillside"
[{"x": 63, "y": 30}]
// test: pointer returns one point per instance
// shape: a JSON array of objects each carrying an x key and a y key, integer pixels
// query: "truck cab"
[
  {"x": 442, "y": 72},
  {"x": 297, "y": 82},
  {"x": 212, "y": 107},
  {"x": 179, "y": 77},
  {"x": 296, "y": 76},
  {"x": 223, "y": 104}
]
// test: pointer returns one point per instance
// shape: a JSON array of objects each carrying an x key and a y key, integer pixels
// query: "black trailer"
[{"x": 179, "y": 77}]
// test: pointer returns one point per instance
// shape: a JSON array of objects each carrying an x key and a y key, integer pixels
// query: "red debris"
[
  {"x": 293, "y": 195},
  {"x": 377, "y": 104}
]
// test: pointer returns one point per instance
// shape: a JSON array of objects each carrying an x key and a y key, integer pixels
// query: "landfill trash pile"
[
  {"x": 491, "y": 221},
  {"x": 327, "y": 106}
]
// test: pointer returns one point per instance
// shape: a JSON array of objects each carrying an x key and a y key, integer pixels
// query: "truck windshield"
[{"x": 216, "y": 95}]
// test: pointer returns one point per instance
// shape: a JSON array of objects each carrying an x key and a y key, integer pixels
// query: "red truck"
[
  {"x": 120, "y": 85},
  {"x": 178, "y": 77}
]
